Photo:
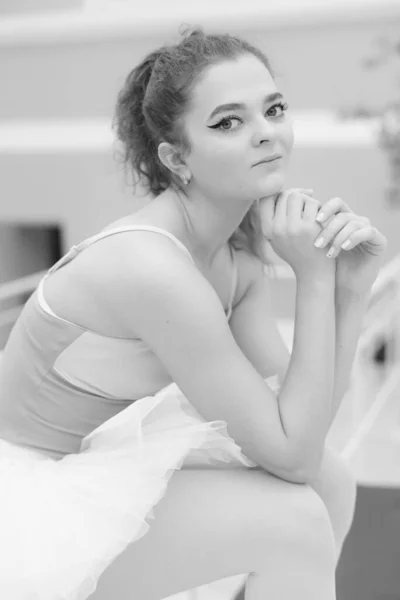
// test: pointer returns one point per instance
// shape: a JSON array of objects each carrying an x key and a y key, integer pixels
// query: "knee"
[
  {"x": 346, "y": 488},
  {"x": 310, "y": 532},
  {"x": 337, "y": 486},
  {"x": 312, "y": 522},
  {"x": 304, "y": 525},
  {"x": 344, "y": 502}
]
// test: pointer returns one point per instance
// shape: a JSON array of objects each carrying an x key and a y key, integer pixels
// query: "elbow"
[
  {"x": 293, "y": 471},
  {"x": 301, "y": 466},
  {"x": 307, "y": 467},
  {"x": 303, "y": 475}
]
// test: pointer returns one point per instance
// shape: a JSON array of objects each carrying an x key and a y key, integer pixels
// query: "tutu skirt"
[{"x": 63, "y": 522}]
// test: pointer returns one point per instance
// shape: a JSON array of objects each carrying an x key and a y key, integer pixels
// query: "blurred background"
[{"x": 62, "y": 63}]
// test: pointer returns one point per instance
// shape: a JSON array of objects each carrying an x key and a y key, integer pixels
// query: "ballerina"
[{"x": 153, "y": 426}]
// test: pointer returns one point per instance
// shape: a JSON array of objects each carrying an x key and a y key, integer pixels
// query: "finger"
[
  {"x": 332, "y": 207},
  {"x": 311, "y": 208},
  {"x": 295, "y": 205},
  {"x": 290, "y": 200},
  {"x": 335, "y": 225},
  {"x": 345, "y": 235},
  {"x": 307, "y": 191},
  {"x": 300, "y": 189},
  {"x": 366, "y": 234},
  {"x": 281, "y": 208}
]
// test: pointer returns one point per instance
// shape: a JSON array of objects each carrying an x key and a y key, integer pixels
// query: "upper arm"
[
  {"x": 174, "y": 309},
  {"x": 254, "y": 325}
]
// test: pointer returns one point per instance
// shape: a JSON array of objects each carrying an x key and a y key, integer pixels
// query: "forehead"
[{"x": 245, "y": 79}]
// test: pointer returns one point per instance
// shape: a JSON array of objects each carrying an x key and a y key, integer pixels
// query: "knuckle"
[
  {"x": 294, "y": 195},
  {"x": 338, "y": 220}
]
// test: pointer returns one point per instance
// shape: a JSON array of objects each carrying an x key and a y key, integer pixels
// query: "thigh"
[{"x": 211, "y": 524}]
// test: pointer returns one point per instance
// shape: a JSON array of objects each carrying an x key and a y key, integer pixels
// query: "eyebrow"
[{"x": 239, "y": 106}]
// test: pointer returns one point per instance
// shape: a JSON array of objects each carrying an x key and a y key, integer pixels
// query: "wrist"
[
  {"x": 316, "y": 276},
  {"x": 361, "y": 283},
  {"x": 354, "y": 292},
  {"x": 346, "y": 294}
]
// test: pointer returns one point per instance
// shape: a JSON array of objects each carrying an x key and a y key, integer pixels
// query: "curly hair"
[{"x": 150, "y": 109}]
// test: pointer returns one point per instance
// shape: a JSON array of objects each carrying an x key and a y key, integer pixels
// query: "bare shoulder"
[
  {"x": 146, "y": 270},
  {"x": 153, "y": 265},
  {"x": 159, "y": 255},
  {"x": 94, "y": 289}
]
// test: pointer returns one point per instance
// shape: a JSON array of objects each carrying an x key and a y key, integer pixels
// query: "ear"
[{"x": 171, "y": 158}]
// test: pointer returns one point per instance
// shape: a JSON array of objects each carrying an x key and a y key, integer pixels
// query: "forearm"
[
  {"x": 306, "y": 395},
  {"x": 350, "y": 309}
]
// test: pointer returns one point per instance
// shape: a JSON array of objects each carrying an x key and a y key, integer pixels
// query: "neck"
[{"x": 208, "y": 223}]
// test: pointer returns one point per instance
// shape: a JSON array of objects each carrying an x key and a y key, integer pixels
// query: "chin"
[{"x": 270, "y": 186}]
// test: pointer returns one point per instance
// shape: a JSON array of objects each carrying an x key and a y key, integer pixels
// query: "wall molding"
[
  {"x": 312, "y": 129},
  {"x": 112, "y": 21}
]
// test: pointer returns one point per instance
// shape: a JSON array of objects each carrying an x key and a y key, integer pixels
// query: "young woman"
[{"x": 150, "y": 350}]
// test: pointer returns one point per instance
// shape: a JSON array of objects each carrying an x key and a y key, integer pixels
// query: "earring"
[{"x": 185, "y": 180}]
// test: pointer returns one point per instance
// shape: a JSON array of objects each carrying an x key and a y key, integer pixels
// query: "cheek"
[
  {"x": 288, "y": 136},
  {"x": 221, "y": 157}
]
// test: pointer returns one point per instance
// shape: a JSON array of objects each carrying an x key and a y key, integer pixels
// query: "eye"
[
  {"x": 282, "y": 105},
  {"x": 225, "y": 121}
]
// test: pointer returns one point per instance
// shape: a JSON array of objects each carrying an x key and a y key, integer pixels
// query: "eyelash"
[{"x": 283, "y": 105}]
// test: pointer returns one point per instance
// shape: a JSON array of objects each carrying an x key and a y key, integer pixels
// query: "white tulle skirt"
[{"x": 63, "y": 522}]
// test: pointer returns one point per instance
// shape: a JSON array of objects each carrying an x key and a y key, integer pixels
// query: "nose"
[{"x": 264, "y": 131}]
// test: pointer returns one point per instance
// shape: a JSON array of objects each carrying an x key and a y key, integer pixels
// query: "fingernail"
[
  {"x": 320, "y": 217},
  {"x": 330, "y": 252},
  {"x": 319, "y": 242},
  {"x": 345, "y": 244}
]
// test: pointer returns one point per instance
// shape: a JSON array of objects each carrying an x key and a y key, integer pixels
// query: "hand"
[
  {"x": 288, "y": 223},
  {"x": 358, "y": 264}
]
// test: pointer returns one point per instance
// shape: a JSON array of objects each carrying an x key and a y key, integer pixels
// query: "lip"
[{"x": 268, "y": 159}]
